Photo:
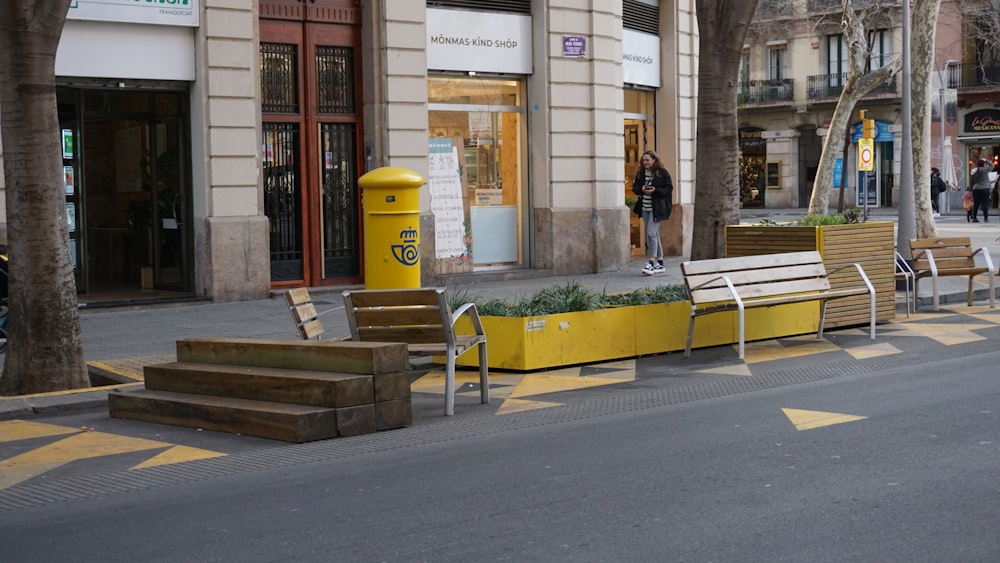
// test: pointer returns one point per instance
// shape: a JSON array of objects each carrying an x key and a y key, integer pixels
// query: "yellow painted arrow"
[{"x": 808, "y": 420}]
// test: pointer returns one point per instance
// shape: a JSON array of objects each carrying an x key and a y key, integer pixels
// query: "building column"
[{"x": 232, "y": 256}]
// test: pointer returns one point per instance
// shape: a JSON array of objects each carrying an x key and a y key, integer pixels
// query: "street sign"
[{"x": 866, "y": 154}]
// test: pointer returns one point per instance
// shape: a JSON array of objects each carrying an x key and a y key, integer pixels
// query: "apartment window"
[
  {"x": 778, "y": 62},
  {"x": 879, "y": 41},
  {"x": 837, "y": 59},
  {"x": 745, "y": 65}
]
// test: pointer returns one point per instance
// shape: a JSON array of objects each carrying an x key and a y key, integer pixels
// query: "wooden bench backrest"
[
  {"x": 949, "y": 253},
  {"x": 416, "y": 316},
  {"x": 304, "y": 313},
  {"x": 755, "y": 277}
]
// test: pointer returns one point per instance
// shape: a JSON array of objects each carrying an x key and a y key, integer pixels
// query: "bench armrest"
[
  {"x": 861, "y": 272},
  {"x": 473, "y": 314},
  {"x": 986, "y": 256},
  {"x": 729, "y": 285}
]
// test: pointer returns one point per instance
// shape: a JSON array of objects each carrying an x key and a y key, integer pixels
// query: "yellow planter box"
[{"x": 534, "y": 343}]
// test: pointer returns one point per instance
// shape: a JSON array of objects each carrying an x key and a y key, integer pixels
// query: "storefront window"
[
  {"x": 639, "y": 137},
  {"x": 477, "y": 170},
  {"x": 753, "y": 177}
]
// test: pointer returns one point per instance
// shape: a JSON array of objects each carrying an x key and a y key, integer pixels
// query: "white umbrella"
[{"x": 948, "y": 172}]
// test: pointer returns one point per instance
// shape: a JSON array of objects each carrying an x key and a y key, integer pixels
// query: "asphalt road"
[{"x": 903, "y": 466}]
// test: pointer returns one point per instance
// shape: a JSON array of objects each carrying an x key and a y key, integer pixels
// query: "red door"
[{"x": 312, "y": 137}]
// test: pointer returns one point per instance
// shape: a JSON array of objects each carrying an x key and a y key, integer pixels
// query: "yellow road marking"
[
  {"x": 873, "y": 351},
  {"x": 756, "y": 352},
  {"x": 84, "y": 445},
  {"x": 80, "y": 445},
  {"x": 735, "y": 369},
  {"x": 14, "y": 430},
  {"x": 520, "y": 405},
  {"x": 541, "y": 384},
  {"x": 178, "y": 454},
  {"x": 808, "y": 420}
]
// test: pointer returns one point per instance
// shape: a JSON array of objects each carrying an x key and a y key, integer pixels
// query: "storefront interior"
[
  {"x": 127, "y": 193},
  {"x": 480, "y": 122}
]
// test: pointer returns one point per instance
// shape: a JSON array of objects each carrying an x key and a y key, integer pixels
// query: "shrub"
[{"x": 569, "y": 298}]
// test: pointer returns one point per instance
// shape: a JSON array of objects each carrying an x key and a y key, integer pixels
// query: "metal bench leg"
[
  {"x": 937, "y": 306},
  {"x": 687, "y": 347},
  {"x": 484, "y": 376},
  {"x": 741, "y": 312},
  {"x": 449, "y": 383},
  {"x": 822, "y": 318}
]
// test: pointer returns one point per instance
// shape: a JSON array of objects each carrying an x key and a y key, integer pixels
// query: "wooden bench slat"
[
  {"x": 394, "y": 298},
  {"x": 761, "y": 290},
  {"x": 758, "y": 261},
  {"x": 746, "y": 277},
  {"x": 397, "y": 316}
]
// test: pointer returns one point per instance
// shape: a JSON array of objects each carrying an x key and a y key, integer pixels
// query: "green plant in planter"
[{"x": 569, "y": 298}]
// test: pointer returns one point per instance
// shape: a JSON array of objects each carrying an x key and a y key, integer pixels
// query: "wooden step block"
[
  {"x": 392, "y": 386},
  {"x": 303, "y": 387},
  {"x": 323, "y": 355},
  {"x": 277, "y": 421},
  {"x": 353, "y": 421},
  {"x": 393, "y": 414}
]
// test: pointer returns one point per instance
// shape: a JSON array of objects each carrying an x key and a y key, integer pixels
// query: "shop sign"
[
  {"x": 982, "y": 121},
  {"x": 640, "y": 58},
  {"x": 478, "y": 41},
  {"x": 160, "y": 12},
  {"x": 882, "y": 132}
]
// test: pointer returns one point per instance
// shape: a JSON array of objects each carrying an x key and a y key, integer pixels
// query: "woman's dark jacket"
[{"x": 663, "y": 193}]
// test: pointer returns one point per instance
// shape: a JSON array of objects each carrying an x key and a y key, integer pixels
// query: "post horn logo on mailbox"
[{"x": 407, "y": 253}]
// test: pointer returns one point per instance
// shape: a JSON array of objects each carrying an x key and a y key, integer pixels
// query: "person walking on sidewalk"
[
  {"x": 979, "y": 180},
  {"x": 656, "y": 191},
  {"x": 938, "y": 187}
]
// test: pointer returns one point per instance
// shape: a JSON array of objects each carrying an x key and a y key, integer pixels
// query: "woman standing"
[
  {"x": 656, "y": 191},
  {"x": 980, "y": 183}
]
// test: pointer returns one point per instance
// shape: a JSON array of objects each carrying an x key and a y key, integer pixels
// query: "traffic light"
[{"x": 867, "y": 126}]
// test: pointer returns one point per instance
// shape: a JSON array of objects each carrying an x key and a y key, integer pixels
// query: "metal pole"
[
  {"x": 906, "y": 225},
  {"x": 942, "y": 197}
]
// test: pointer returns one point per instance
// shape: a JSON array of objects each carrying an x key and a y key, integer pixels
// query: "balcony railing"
[
  {"x": 766, "y": 91},
  {"x": 830, "y": 85},
  {"x": 974, "y": 75}
]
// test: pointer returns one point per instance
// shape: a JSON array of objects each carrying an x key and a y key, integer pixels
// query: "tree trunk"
[
  {"x": 722, "y": 27},
  {"x": 46, "y": 344},
  {"x": 925, "y": 15}
]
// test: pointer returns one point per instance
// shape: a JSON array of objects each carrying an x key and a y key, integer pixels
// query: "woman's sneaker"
[
  {"x": 658, "y": 269},
  {"x": 649, "y": 269}
]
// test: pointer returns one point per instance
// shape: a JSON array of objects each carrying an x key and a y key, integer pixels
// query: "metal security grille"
[
  {"x": 517, "y": 6},
  {"x": 278, "y": 78},
  {"x": 639, "y": 16},
  {"x": 335, "y": 79},
  {"x": 341, "y": 250},
  {"x": 282, "y": 198}
]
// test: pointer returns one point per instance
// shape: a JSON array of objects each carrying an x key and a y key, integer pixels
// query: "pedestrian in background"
[
  {"x": 979, "y": 181},
  {"x": 655, "y": 189},
  {"x": 937, "y": 188}
]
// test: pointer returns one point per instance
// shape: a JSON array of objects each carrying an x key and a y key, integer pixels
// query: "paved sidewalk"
[{"x": 121, "y": 341}]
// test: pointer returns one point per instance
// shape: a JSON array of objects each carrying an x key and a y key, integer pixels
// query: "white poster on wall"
[
  {"x": 161, "y": 12},
  {"x": 445, "y": 184},
  {"x": 478, "y": 41},
  {"x": 640, "y": 58}
]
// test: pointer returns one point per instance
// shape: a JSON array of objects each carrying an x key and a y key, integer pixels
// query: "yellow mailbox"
[{"x": 390, "y": 197}]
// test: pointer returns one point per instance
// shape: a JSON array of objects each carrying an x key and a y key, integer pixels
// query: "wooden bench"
[
  {"x": 765, "y": 280},
  {"x": 951, "y": 256},
  {"x": 420, "y": 318}
]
